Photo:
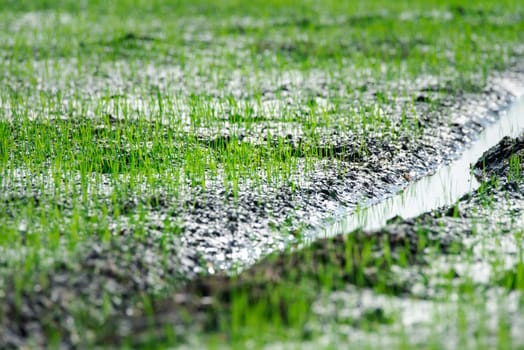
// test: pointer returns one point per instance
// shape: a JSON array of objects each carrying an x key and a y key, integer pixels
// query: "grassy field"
[{"x": 124, "y": 123}]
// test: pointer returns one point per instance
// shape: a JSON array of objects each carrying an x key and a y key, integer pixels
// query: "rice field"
[{"x": 164, "y": 166}]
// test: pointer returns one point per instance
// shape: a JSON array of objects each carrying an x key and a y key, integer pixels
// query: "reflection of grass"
[{"x": 105, "y": 119}]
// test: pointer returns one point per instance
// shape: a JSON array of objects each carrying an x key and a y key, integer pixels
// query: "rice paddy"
[{"x": 164, "y": 165}]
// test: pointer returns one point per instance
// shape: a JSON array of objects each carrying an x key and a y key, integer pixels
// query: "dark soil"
[
  {"x": 497, "y": 161},
  {"x": 282, "y": 281},
  {"x": 220, "y": 232}
]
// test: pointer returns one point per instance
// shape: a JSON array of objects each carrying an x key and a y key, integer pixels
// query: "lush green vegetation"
[{"x": 112, "y": 109}]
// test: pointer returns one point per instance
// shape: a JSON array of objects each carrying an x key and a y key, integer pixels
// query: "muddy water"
[{"x": 444, "y": 187}]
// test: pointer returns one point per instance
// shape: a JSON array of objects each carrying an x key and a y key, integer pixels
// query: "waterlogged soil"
[
  {"x": 73, "y": 287},
  {"x": 245, "y": 227},
  {"x": 362, "y": 287},
  {"x": 75, "y": 293}
]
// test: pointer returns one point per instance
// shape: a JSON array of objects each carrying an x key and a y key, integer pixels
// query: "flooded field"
[
  {"x": 443, "y": 188},
  {"x": 266, "y": 175}
]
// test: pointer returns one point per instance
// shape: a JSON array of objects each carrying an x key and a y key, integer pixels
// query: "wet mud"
[
  {"x": 393, "y": 261},
  {"x": 347, "y": 113},
  {"x": 347, "y": 174},
  {"x": 222, "y": 231},
  {"x": 206, "y": 303},
  {"x": 502, "y": 161}
]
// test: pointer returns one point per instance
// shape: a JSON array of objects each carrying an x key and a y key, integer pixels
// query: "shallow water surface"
[{"x": 444, "y": 187}]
